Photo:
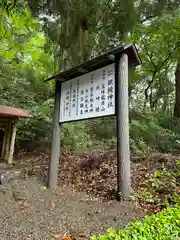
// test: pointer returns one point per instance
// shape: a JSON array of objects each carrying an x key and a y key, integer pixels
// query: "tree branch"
[
  {"x": 149, "y": 56},
  {"x": 158, "y": 68},
  {"x": 154, "y": 75}
]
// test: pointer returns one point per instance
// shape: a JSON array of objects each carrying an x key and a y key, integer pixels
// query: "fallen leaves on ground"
[
  {"x": 62, "y": 237},
  {"x": 96, "y": 173}
]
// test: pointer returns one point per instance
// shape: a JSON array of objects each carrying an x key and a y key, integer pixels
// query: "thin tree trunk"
[{"x": 177, "y": 91}]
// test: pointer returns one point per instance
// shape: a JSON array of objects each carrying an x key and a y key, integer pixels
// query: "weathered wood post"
[
  {"x": 12, "y": 143},
  {"x": 55, "y": 148},
  {"x": 8, "y": 138},
  {"x": 122, "y": 119},
  {"x": 4, "y": 141}
]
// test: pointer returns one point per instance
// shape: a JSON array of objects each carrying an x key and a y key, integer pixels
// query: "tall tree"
[
  {"x": 79, "y": 29},
  {"x": 159, "y": 44}
]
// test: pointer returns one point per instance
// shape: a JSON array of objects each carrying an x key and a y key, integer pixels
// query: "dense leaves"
[
  {"x": 23, "y": 67},
  {"x": 164, "y": 225},
  {"x": 159, "y": 42},
  {"x": 65, "y": 33}
]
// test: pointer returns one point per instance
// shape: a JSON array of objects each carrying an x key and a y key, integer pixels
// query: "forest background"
[{"x": 40, "y": 38}]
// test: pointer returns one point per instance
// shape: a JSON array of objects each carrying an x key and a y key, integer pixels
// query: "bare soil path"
[
  {"x": 83, "y": 204},
  {"x": 28, "y": 211}
]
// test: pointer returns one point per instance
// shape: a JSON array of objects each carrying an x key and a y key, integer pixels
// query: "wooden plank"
[
  {"x": 12, "y": 143},
  {"x": 4, "y": 141},
  {"x": 55, "y": 148},
  {"x": 4, "y": 120},
  {"x": 123, "y": 152}
]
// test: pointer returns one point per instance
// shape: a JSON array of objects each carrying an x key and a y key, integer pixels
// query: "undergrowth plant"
[
  {"x": 163, "y": 187},
  {"x": 161, "y": 226}
]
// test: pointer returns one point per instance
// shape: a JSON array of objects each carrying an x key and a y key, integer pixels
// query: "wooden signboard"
[
  {"x": 93, "y": 89},
  {"x": 88, "y": 96}
]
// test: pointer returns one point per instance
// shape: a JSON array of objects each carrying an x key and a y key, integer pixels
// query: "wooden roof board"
[
  {"x": 99, "y": 62},
  {"x": 7, "y": 111}
]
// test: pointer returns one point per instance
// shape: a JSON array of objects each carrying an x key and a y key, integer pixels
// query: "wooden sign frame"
[{"x": 124, "y": 57}]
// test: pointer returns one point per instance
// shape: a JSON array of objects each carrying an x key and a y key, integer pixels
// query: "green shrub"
[
  {"x": 36, "y": 131},
  {"x": 148, "y": 133},
  {"x": 162, "y": 226},
  {"x": 154, "y": 133},
  {"x": 163, "y": 186},
  {"x": 102, "y": 128},
  {"x": 74, "y": 137}
]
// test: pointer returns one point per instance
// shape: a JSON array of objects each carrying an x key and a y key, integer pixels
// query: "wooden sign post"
[
  {"x": 55, "y": 149},
  {"x": 122, "y": 123},
  {"x": 96, "y": 88}
]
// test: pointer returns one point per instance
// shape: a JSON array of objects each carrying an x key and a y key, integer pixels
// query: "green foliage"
[
  {"x": 74, "y": 137},
  {"x": 150, "y": 133},
  {"x": 36, "y": 131},
  {"x": 174, "y": 200},
  {"x": 164, "y": 179},
  {"x": 73, "y": 31},
  {"x": 163, "y": 186},
  {"x": 13, "y": 6},
  {"x": 23, "y": 67},
  {"x": 77, "y": 30},
  {"x": 159, "y": 44},
  {"x": 162, "y": 226},
  {"x": 103, "y": 128},
  {"x": 87, "y": 136}
]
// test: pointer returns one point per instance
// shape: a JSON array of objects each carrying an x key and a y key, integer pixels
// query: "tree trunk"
[{"x": 177, "y": 91}]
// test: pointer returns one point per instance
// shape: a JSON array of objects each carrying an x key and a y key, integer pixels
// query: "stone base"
[{"x": 9, "y": 173}]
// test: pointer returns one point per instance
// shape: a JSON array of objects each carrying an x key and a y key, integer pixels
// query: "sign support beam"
[
  {"x": 88, "y": 91},
  {"x": 122, "y": 120},
  {"x": 55, "y": 148}
]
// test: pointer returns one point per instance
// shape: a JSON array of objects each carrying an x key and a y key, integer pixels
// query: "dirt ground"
[
  {"x": 96, "y": 173},
  {"x": 29, "y": 211},
  {"x": 83, "y": 204}
]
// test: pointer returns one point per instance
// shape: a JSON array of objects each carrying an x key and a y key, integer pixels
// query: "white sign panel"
[{"x": 88, "y": 96}]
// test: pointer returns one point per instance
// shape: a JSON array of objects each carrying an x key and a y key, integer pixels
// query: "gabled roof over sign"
[{"x": 99, "y": 62}]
